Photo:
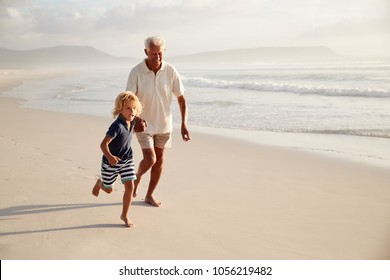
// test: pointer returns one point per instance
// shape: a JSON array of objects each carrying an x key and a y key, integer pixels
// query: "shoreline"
[
  {"x": 11, "y": 78},
  {"x": 360, "y": 149}
]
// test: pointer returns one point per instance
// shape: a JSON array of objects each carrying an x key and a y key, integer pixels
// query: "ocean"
[
  {"x": 346, "y": 97},
  {"x": 328, "y": 98}
]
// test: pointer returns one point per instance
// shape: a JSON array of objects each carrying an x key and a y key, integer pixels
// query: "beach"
[{"x": 223, "y": 198}]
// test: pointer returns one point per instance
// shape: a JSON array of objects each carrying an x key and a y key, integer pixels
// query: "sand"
[{"x": 223, "y": 198}]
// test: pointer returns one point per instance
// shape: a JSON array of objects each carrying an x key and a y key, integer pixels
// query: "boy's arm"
[{"x": 113, "y": 160}]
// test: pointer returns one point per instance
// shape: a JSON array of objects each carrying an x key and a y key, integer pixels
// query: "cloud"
[
  {"x": 119, "y": 26},
  {"x": 350, "y": 28},
  {"x": 58, "y": 20},
  {"x": 140, "y": 16},
  {"x": 363, "y": 36}
]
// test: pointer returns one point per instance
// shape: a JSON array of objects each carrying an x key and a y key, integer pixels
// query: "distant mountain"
[
  {"x": 60, "y": 56},
  {"x": 86, "y": 56},
  {"x": 258, "y": 55}
]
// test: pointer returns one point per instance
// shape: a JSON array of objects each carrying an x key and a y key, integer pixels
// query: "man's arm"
[{"x": 185, "y": 134}]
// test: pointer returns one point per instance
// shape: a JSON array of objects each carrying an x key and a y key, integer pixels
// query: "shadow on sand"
[{"x": 9, "y": 212}]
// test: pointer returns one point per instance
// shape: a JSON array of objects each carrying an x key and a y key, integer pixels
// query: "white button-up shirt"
[{"x": 155, "y": 92}]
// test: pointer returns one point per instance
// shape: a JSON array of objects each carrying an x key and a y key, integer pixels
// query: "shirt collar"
[
  {"x": 124, "y": 122},
  {"x": 147, "y": 70},
  {"x": 122, "y": 119}
]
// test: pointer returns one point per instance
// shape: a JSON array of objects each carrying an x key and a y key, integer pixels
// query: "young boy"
[{"x": 117, "y": 154}]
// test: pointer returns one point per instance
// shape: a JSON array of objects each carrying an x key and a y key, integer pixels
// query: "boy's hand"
[
  {"x": 140, "y": 125},
  {"x": 113, "y": 160}
]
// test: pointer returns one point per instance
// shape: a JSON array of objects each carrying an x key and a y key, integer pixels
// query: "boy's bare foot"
[
  {"x": 128, "y": 223},
  {"x": 150, "y": 200},
  {"x": 97, "y": 187}
]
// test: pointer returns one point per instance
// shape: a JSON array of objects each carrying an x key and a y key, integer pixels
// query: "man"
[{"x": 156, "y": 82}]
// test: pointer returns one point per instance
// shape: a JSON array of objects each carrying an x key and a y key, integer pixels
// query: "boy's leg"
[
  {"x": 99, "y": 186},
  {"x": 109, "y": 176},
  {"x": 128, "y": 176},
  {"x": 129, "y": 188}
]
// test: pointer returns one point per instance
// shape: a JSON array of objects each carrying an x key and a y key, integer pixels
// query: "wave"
[
  {"x": 355, "y": 132},
  {"x": 217, "y": 102},
  {"x": 83, "y": 93},
  {"x": 288, "y": 88},
  {"x": 376, "y": 133}
]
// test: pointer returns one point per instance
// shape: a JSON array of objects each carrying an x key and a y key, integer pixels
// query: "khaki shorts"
[{"x": 148, "y": 141}]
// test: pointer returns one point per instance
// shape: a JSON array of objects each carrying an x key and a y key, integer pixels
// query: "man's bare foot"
[
  {"x": 128, "y": 223},
  {"x": 97, "y": 187},
  {"x": 150, "y": 200}
]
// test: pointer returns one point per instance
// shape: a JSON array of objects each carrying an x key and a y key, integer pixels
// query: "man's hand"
[
  {"x": 185, "y": 134},
  {"x": 140, "y": 124}
]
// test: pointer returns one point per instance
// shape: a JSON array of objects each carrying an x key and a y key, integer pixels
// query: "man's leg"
[
  {"x": 155, "y": 175},
  {"x": 149, "y": 159}
]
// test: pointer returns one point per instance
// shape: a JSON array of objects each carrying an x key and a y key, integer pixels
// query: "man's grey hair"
[{"x": 155, "y": 41}]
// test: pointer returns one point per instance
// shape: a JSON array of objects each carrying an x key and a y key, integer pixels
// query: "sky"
[{"x": 119, "y": 27}]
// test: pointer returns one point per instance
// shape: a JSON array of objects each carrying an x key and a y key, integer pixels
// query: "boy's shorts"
[
  {"x": 149, "y": 141},
  {"x": 124, "y": 168}
]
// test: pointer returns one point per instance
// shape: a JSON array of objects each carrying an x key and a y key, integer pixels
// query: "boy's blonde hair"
[{"x": 123, "y": 99}]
